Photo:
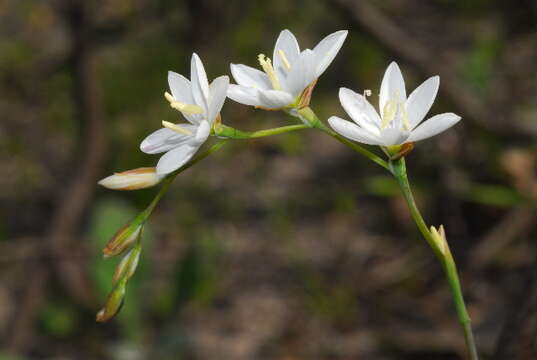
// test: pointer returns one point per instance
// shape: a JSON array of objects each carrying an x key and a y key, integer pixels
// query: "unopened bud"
[
  {"x": 123, "y": 238},
  {"x": 439, "y": 237},
  {"x": 126, "y": 268},
  {"x": 113, "y": 303},
  {"x": 134, "y": 179}
]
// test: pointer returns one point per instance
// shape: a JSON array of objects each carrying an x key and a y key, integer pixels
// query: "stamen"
[
  {"x": 388, "y": 113},
  {"x": 406, "y": 123},
  {"x": 266, "y": 64},
  {"x": 284, "y": 60},
  {"x": 367, "y": 92},
  {"x": 190, "y": 109},
  {"x": 392, "y": 110},
  {"x": 176, "y": 128}
]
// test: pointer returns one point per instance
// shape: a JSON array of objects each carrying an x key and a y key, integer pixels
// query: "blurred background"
[{"x": 288, "y": 247}]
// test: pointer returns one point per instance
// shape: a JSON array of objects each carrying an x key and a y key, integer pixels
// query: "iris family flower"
[
  {"x": 287, "y": 80},
  {"x": 400, "y": 117},
  {"x": 200, "y": 103}
]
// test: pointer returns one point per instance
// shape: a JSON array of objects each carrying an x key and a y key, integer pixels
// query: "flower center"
[
  {"x": 394, "y": 109},
  {"x": 266, "y": 64},
  {"x": 189, "y": 109},
  {"x": 176, "y": 128}
]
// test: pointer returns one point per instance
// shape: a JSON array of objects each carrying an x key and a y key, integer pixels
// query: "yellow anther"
[
  {"x": 176, "y": 128},
  {"x": 190, "y": 109},
  {"x": 169, "y": 97},
  {"x": 266, "y": 64},
  {"x": 284, "y": 60}
]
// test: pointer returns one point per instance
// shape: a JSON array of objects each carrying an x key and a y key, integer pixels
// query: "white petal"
[
  {"x": 200, "y": 84},
  {"x": 301, "y": 74},
  {"x": 244, "y": 95},
  {"x": 393, "y": 136},
  {"x": 180, "y": 87},
  {"x": 217, "y": 96},
  {"x": 327, "y": 49},
  {"x": 352, "y": 131},
  {"x": 275, "y": 99},
  {"x": 434, "y": 126},
  {"x": 202, "y": 133},
  {"x": 248, "y": 76},
  {"x": 392, "y": 86},
  {"x": 175, "y": 158},
  {"x": 420, "y": 100},
  {"x": 164, "y": 139},
  {"x": 181, "y": 90},
  {"x": 287, "y": 43},
  {"x": 360, "y": 110}
]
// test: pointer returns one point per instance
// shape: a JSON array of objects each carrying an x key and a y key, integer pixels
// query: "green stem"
[
  {"x": 398, "y": 169},
  {"x": 309, "y": 116},
  {"x": 170, "y": 177},
  {"x": 224, "y": 132},
  {"x": 231, "y": 133}
]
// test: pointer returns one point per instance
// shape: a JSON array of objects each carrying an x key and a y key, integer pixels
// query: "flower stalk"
[
  {"x": 224, "y": 131},
  {"x": 442, "y": 252},
  {"x": 309, "y": 117}
]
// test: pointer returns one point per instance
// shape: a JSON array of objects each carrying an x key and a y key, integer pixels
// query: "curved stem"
[
  {"x": 398, "y": 169},
  {"x": 308, "y": 116},
  {"x": 232, "y": 133},
  {"x": 169, "y": 179}
]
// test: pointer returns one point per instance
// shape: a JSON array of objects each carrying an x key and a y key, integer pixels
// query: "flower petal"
[
  {"x": 352, "y": 131},
  {"x": 248, "y": 76},
  {"x": 181, "y": 90},
  {"x": 420, "y": 100},
  {"x": 289, "y": 46},
  {"x": 393, "y": 136},
  {"x": 200, "y": 84},
  {"x": 202, "y": 133},
  {"x": 327, "y": 49},
  {"x": 274, "y": 99},
  {"x": 301, "y": 74},
  {"x": 434, "y": 126},
  {"x": 244, "y": 95},
  {"x": 217, "y": 96},
  {"x": 360, "y": 110},
  {"x": 175, "y": 158},
  {"x": 165, "y": 139},
  {"x": 180, "y": 87},
  {"x": 392, "y": 86}
]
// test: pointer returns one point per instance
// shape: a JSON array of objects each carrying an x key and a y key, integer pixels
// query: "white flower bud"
[{"x": 134, "y": 179}]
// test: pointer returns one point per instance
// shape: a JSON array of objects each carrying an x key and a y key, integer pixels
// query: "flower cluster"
[{"x": 285, "y": 83}]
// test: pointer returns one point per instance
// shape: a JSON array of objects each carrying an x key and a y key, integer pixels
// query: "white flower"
[
  {"x": 281, "y": 83},
  {"x": 400, "y": 116},
  {"x": 200, "y": 103}
]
